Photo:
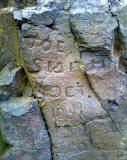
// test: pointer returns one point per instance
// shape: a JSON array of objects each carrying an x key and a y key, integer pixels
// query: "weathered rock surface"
[
  {"x": 93, "y": 29},
  {"x": 12, "y": 82},
  {"x": 23, "y": 128},
  {"x": 24, "y": 3},
  {"x": 108, "y": 91},
  {"x": 6, "y": 3},
  {"x": 68, "y": 104},
  {"x": 121, "y": 15},
  {"x": 44, "y": 16},
  {"x": 70, "y": 64},
  {"x": 9, "y": 41}
]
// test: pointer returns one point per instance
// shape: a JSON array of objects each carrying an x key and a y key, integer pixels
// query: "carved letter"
[
  {"x": 46, "y": 45},
  {"x": 60, "y": 111},
  {"x": 60, "y": 46},
  {"x": 68, "y": 91},
  {"x": 55, "y": 67},
  {"x": 55, "y": 92},
  {"x": 81, "y": 90}
]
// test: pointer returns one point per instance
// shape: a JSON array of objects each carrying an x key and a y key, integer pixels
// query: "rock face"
[
  {"x": 24, "y": 129},
  {"x": 93, "y": 30},
  {"x": 12, "y": 82},
  {"x": 9, "y": 46},
  {"x": 63, "y": 80}
]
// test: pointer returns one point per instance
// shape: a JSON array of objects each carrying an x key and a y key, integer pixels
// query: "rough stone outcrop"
[
  {"x": 63, "y": 80},
  {"x": 93, "y": 28},
  {"x": 23, "y": 128},
  {"x": 12, "y": 81}
]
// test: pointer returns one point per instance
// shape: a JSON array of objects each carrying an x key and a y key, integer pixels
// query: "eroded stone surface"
[
  {"x": 94, "y": 30},
  {"x": 108, "y": 91},
  {"x": 62, "y": 85},
  {"x": 43, "y": 16},
  {"x": 9, "y": 41},
  {"x": 57, "y": 71},
  {"x": 24, "y": 3},
  {"x": 12, "y": 81},
  {"x": 23, "y": 127}
]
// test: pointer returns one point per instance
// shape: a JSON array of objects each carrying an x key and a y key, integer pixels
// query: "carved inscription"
[
  {"x": 70, "y": 91},
  {"x": 81, "y": 88},
  {"x": 59, "y": 111},
  {"x": 60, "y": 46},
  {"x": 47, "y": 44},
  {"x": 55, "y": 91},
  {"x": 55, "y": 67}
]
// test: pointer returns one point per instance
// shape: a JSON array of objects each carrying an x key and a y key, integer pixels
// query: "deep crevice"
[
  {"x": 47, "y": 129},
  {"x": 72, "y": 32},
  {"x": 122, "y": 49},
  {"x": 119, "y": 45}
]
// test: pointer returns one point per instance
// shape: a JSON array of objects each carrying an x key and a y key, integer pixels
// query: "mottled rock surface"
[
  {"x": 23, "y": 128},
  {"x": 94, "y": 30},
  {"x": 63, "y": 82},
  {"x": 9, "y": 46},
  {"x": 12, "y": 81}
]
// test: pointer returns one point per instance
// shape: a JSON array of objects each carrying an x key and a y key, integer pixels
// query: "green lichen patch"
[{"x": 4, "y": 145}]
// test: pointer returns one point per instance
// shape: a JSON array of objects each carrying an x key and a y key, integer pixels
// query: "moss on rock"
[{"x": 4, "y": 145}]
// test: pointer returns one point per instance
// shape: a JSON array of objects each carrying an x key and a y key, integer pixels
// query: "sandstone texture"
[{"x": 63, "y": 80}]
